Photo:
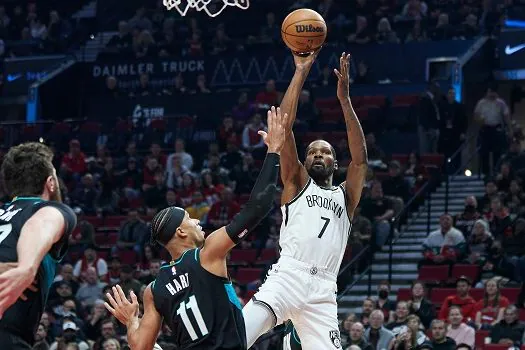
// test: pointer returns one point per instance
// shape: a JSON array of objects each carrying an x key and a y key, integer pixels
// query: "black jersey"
[
  {"x": 201, "y": 309},
  {"x": 23, "y": 317}
]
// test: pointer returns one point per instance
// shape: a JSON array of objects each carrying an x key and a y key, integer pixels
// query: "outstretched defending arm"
[
  {"x": 293, "y": 173},
  {"x": 220, "y": 242},
  {"x": 142, "y": 333},
  {"x": 356, "y": 172}
]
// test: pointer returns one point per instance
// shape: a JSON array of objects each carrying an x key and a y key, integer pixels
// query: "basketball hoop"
[{"x": 212, "y": 8}]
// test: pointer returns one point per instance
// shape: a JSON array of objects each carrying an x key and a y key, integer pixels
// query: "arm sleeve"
[
  {"x": 260, "y": 202},
  {"x": 59, "y": 249}
]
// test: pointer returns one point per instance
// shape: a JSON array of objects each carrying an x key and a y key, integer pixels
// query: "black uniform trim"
[
  {"x": 286, "y": 205},
  {"x": 266, "y": 305}
]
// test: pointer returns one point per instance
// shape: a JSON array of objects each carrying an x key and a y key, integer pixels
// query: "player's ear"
[
  {"x": 180, "y": 233},
  {"x": 51, "y": 184}
]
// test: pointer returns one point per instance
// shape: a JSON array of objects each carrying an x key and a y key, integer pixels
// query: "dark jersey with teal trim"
[
  {"x": 295, "y": 342},
  {"x": 201, "y": 309},
  {"x": 23, "y": 317}
]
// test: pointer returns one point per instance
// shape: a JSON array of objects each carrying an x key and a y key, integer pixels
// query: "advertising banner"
[{"x": 512, "y": 49}]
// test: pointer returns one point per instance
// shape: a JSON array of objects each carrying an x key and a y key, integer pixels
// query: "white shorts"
[{"x": 306, "y": 295}]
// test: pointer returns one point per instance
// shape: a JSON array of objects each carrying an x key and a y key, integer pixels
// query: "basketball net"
[{"x": 212, "y": 8}]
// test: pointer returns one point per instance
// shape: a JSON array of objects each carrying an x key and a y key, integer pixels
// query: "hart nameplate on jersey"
[{"x": 178, "y": 283}]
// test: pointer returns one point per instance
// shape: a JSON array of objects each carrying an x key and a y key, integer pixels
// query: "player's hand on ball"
[
  {"x": 343, "y": 77},
  {"x": 305, "y": 62},
  {"x": 276, "y": 134},
  {"x": 120, "y": 307}
]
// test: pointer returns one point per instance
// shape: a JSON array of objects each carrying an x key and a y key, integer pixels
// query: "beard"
[{"x": 320, "y": 174}]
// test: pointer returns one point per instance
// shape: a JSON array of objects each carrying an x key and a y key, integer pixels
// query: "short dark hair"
[
  {"x": 332, "y": 149},
  {"x": 26, "y": 168}
]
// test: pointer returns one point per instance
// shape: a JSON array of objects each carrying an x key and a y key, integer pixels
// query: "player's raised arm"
[
  {"x": 293, "y": 173},
  {"x": 356, "y": 173},
  {"x": 220, "y": 242},
  {"x": 142, "y": 333},
  {"x": 45, "y": 228}
]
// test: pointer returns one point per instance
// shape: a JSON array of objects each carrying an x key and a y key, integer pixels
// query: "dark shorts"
[{"x": 12, "y": 342}]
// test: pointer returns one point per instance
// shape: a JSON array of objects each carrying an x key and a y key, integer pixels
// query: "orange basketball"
[{"x": 304, "y": 31}]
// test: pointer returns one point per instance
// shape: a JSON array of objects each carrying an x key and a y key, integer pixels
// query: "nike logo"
[
  {"x": 13, "y": 77},
  {"x": 512, "y": 50}
]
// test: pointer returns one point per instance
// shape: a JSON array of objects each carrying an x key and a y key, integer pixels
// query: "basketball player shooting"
[
  {"x": 301, "y": 286},
  {"x": 193, "y": 293}
]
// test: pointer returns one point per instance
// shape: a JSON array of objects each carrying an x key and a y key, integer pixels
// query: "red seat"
[
  {"x": 405, "y": 100},
  {"x": 91, "y": 127},
  {"x": 432, "y": 159},
  {"x": 242, "y": 256},
  {"x": 376, "y": 100},
  {"x": 248, "y": 275},
  {"x": 332, "y": 116},
  {"x": 127, "y": 257},
  {"x": 103, "y": 254},
  {"x": 480, "y": 338},
  {"x": 268, "y": 255},
  {"x": 438, "y": 295},
  {"x": 522, "y": 314},
  {"x": 158, "y": 124},
  {"x": 495, "y": 347},
  {"x": 469, "y": 271},
  {"x": 114, "y": 221},
  {"x": 93, "y": 220},
  {"x": 433, "y": 274},
  {"x": 511, "y": 294},
  {"x": 477, "y": 293},
  {"x": 327, "y": 103},
  {"x": 249, "y": 294},
  {"x": 404, "y": 294}
]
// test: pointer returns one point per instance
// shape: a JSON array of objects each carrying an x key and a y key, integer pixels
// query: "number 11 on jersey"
[{"x": 194, "y": 307}]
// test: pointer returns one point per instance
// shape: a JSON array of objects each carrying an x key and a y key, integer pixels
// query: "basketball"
[{"x": 303, "y": 31}]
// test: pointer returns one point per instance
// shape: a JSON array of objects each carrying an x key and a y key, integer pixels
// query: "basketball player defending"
[
  {"x": 34, "y": 233},
  {"x": 317, "y": 216},
  {"x": 193, "y": 293}
]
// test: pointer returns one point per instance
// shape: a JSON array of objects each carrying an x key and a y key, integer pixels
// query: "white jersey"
[{"x": 316, "y": 226}]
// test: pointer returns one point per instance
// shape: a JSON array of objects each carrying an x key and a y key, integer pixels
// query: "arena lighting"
[
  {"x": 514, "y": 23},
  {"x": 41, "y": 140},
  {"x": 468, "y": 172}
]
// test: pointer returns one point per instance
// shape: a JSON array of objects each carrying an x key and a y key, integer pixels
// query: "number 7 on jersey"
[{"x": 326, "y": 222}]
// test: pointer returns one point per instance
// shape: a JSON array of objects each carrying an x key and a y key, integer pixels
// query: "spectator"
[
  {"x": 122, "y": 40},
  {"x": 85, "y": 195},
  {"x": 154, "y": 197},
  {"x": 457, "y": 329},
  {"x": 70, "y": 335},
  {"x": 362, "y": 32},
  {"x": 224, "y": 210},
  {"x": 65, "y": 275},
  {"x": 414, "y": 9},
  {"x": 246, "y": 175},
  {"x": 395, "y": 184},
  {"x": 113, "y": 344},
  {"x": 514, "y": 156},
  {"x": 491, "y": 190},
  {"x": 40, "y": 338},
  {"x": 270, "y": 96},
  {"x": 366, "y": 309},
  {"x": 443, "y": 29},
  {"x": 509, "y": 330},
  {"x": 379, "y": 210},
  {"x": 411, "y": 336},
  {"x": 515, "y": 198},
  {"x": 439, "y": 339},
  {"x": 420, "y": 306},
  {"x": 461, "y": 299},
  {"x": 385, "y": 34},
  {"x": 415, "y": 171},
  {"x": 383, "y": 303},
  {"x": 156, "y": 153},
  {"x": 493, "y": 113},
  {"x": 504, "y": 177},
  {"x": 252, "y": 141},
  {"x": 107, "y": 332},
  {"x": 175, "y": 173},
  {"x": 232, "y": 159},
  {"x": 499, "y": 219},
  {"x": 201, "y": 86},
  {"x": 346, "y": 326},
  {"x": 91, "y": 290},
  {"x": 152, "y": 272},
  {"x": 513, "y": 245},
  {"x": 375, "y": 153},
  {"x": 479, "y": 243},
  {"x": 127, "y": 282},
  {"x": 489, "y": 310},
  {"x": 132, "y": 234},
  {"x": 443, "y": 246},
  {"x": 89, "y": 260},
  {"x": 453, "y": 126},
  {"x": 376, "y": 335},
  {"x": 399, "y": 325},
  {"x": 199, "y": 208},
  {"x": 306, "y": 111},
  {"x": 417, "y": 34},
  {"x": 186, "y": 159},
  {"x": 270, "y": 31},
  {"x": 95, "y": 320},
  {"x": 357, "y": 332},
  {"x": 465, "y": 221},
  {"x": 429, "y": 117},
  {"x": 74, "y": 162}
]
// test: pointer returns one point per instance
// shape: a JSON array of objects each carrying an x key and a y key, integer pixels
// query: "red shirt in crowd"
[
  {"x": 76, "y": 163},
  {"x": 490, "y": 312},
  {"x": 466, "y": 304},
  {"x": 267, "y": 97}
]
